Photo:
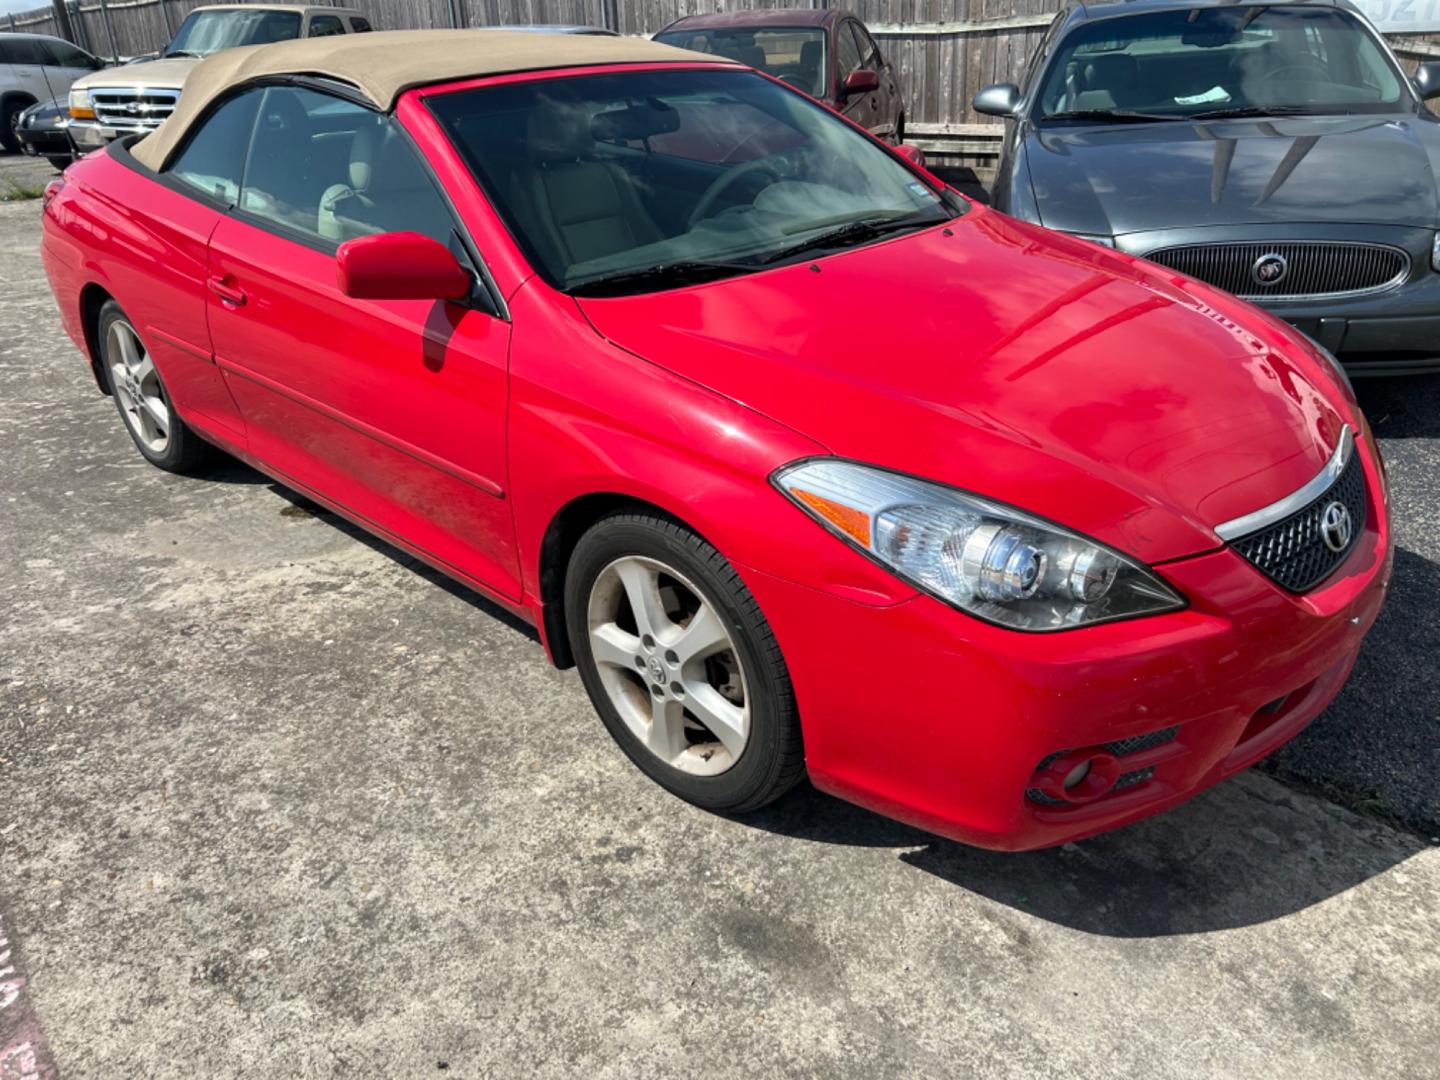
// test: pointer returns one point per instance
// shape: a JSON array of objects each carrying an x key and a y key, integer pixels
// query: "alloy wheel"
[
  {"x": 669, "y": 665},
  {"x": 137, "y": 386}
]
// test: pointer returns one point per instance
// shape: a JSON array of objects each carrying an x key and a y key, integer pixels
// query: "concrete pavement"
[{"x": 277, "y": 801}]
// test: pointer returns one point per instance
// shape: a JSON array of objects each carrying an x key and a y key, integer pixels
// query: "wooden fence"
[{"x": 945, "y": 49}]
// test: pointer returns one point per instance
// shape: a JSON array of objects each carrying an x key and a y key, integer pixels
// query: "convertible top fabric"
[{"x": 384, "y": 65}]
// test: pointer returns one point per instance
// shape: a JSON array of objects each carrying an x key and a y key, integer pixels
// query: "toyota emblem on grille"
[
  {"x": 1270, "y": 269},
  {"x": 1335, "y": 526}
]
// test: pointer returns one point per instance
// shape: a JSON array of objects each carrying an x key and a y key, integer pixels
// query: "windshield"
[
  {"x": 1243, "y": 60},
  {"x": 205, "y": 32},
  {"x": 793, "y": 55},
  {"x": 636, "y": 181}
]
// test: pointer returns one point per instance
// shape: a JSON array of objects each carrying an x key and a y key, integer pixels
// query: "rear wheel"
[
  {"x": 10, "y": 121},
  {"x": 681, "y": 664},
  {"x": 140, "y": 395}
]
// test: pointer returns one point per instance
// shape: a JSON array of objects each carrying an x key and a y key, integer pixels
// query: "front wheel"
[
  {"x": 10, "y": 122},
  {"x": 681, "y": 664},
  {"x": 60, "y": 163}
]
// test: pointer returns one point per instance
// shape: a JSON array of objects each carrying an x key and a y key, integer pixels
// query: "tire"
[
  {"x": 729, "y": 775},
  {"x": 60, "y": 164},
  {"x": 9, "y": 117},
  {"x": 162, "y": 438}
]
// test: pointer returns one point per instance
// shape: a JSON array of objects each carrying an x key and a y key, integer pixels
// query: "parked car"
[
  {"x": 34, "y": 68},
  {"x": 1059, "y": 542},
  {"x": 1275, "y": 150},
  {"x": 41, "y": 131},
  {"x": 135, "y": 98},
  {"x": 829, "y": 54}
]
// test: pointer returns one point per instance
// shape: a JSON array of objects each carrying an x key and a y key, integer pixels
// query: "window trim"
[
  {"x": 484, "y": 296},
  {"x": 317, "y": 17}
]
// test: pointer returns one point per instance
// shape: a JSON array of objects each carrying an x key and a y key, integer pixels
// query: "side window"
[
  {"x": 213, "y": 160},
  {"x": 868, "y": 49},
  {"x": 330, "y": 170},
  {"x": 847, "y": 53},
  {"x": 65, "y": 55},
  {"x": 24, "y": 51},
  {"x": 360, "y": 25},
  {"x": 326, "y": 26}
]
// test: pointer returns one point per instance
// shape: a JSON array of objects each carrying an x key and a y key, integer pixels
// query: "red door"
[{"x": 394, "y": 410}]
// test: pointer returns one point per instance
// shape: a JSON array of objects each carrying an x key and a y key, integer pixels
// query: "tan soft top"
[{"x": 385, "y": 64}]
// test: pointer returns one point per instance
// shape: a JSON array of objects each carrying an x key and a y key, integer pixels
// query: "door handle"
[{"x": 227, "y": 291}]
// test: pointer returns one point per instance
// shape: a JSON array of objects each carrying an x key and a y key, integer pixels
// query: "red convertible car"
[{"x": 1062, "y": 540}]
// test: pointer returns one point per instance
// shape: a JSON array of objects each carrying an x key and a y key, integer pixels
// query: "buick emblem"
[
  {"x": 1335, "y": 526},
  {"x": 1270, "y": 269}
]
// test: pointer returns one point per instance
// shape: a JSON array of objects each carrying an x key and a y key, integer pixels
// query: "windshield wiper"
[
  {"x": 181, "y": 52},
  {"x": 1238, "y": 111},
  {"x": 1122, "y": 116},
  {"x": 670, "y": 275},
  {"x": 853, "y": 232}
]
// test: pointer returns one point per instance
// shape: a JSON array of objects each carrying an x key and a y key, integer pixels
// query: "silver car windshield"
[
  {"x": 1224, "y": 60},
  {"x": 205, "y": 32},
  {"x": 636, "y": 181}
]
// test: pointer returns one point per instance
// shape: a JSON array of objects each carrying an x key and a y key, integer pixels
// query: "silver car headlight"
[
  {"x": 1094, "y": 238},
  {"x": 989, "y": 560},
  {"x": 1435, "y": 252}
]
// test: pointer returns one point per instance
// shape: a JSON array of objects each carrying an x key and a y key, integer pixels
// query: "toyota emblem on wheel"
[
  {"x": 1335, "y": 526},
  {"x": 1270, "y": 269}
]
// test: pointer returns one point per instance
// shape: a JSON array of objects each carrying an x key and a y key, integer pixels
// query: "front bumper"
[
  {"x": 91, "y": 134},
  {"x": 1393, "y": 332},
  {"x": 923, "y": 714},
  {"x": 44, "y": 142}
]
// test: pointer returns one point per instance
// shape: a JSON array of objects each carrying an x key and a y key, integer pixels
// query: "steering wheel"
[
  {"x": 728, "y": 179},
  {"x": 1309, "y": 68}
]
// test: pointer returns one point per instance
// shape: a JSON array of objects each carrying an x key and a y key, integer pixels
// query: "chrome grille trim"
[
  {"x": 1266, "y": 516},
  {"x": 1318, "y": 269},
  {"x": 150, "y": 107}
]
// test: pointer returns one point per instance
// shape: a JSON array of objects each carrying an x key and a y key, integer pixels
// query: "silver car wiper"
[
  {"x": 1121, "y": 116},
  {"x": 1236, "y": 112}
]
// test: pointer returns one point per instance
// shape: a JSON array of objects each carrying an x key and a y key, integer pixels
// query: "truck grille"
[
  {"x": 1293, "y": 552},
  {"x": 1293, "y": 270},
  {"x": 133, "y": 108}
]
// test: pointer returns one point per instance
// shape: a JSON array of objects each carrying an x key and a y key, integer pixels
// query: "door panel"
[
  {"x": 394, "y": 409},
  {"x": 158, "y": 238}
]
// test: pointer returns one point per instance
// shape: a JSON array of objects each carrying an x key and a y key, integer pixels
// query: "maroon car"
[{"x": 827, "y": 53}]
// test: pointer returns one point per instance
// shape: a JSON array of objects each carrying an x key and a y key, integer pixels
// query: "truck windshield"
[
  {"x": 1222, "y": 61},
  {"x": 205, "y": 32}
]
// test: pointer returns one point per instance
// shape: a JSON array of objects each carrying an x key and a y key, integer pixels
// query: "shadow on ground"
[{"x": 1246, "y": 852}]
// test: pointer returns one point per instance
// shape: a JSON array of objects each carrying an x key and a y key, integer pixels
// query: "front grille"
[
  {"x": 1136, "y": 743},
  {"x": 133, "y": 108},
  {"x": 1293, "y": 552},
  {"x": 1308, "y": 270}
]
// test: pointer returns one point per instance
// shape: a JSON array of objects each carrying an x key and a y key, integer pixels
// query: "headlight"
[
  {"x": 1435, "y": 252},
  {"x": 990, "y": 560},
  {"x": 80, "y": 107}
]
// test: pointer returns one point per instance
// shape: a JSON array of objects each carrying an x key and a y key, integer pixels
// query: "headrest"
[{"x": 559, "y": 131}]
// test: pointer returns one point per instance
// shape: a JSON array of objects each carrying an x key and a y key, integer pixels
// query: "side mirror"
[
  {"x": 399, "y": 266},
  {"x": 912, "y": 154},
  {"x": 861, "y": 82},
  {"x": 1002, "y": 99},
  {"x": 1427, "y": 80}
]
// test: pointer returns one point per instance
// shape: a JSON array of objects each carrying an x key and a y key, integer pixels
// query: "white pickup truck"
[{"x": 135, "y": 98}]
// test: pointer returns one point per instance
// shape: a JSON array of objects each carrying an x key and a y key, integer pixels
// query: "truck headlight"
[{"x": 80, "y": 107}]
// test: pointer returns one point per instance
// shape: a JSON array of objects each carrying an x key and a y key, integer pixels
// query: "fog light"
[{"x": 1078, "y": 776}]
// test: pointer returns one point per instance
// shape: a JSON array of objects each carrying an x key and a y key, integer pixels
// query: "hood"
[
  {"x": 167, "y": 74},
  {"x": 1048, "y": 373},
  {"x": 1137, "y": 177}
]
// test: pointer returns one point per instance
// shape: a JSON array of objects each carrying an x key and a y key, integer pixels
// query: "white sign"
[{"x": 1402, "y": 16}]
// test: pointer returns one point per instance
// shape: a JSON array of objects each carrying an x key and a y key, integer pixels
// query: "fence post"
[
  {"x": 165, "y": 18},
  {"x": 62, "y": 21},
  {"x": 13, "y": 27},
  {"x": 109, "y": 29}
]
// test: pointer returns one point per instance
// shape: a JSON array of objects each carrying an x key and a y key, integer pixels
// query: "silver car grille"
[
  {"x": 133, "y": 108},
  {"x": 1290, "y": 270}
]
